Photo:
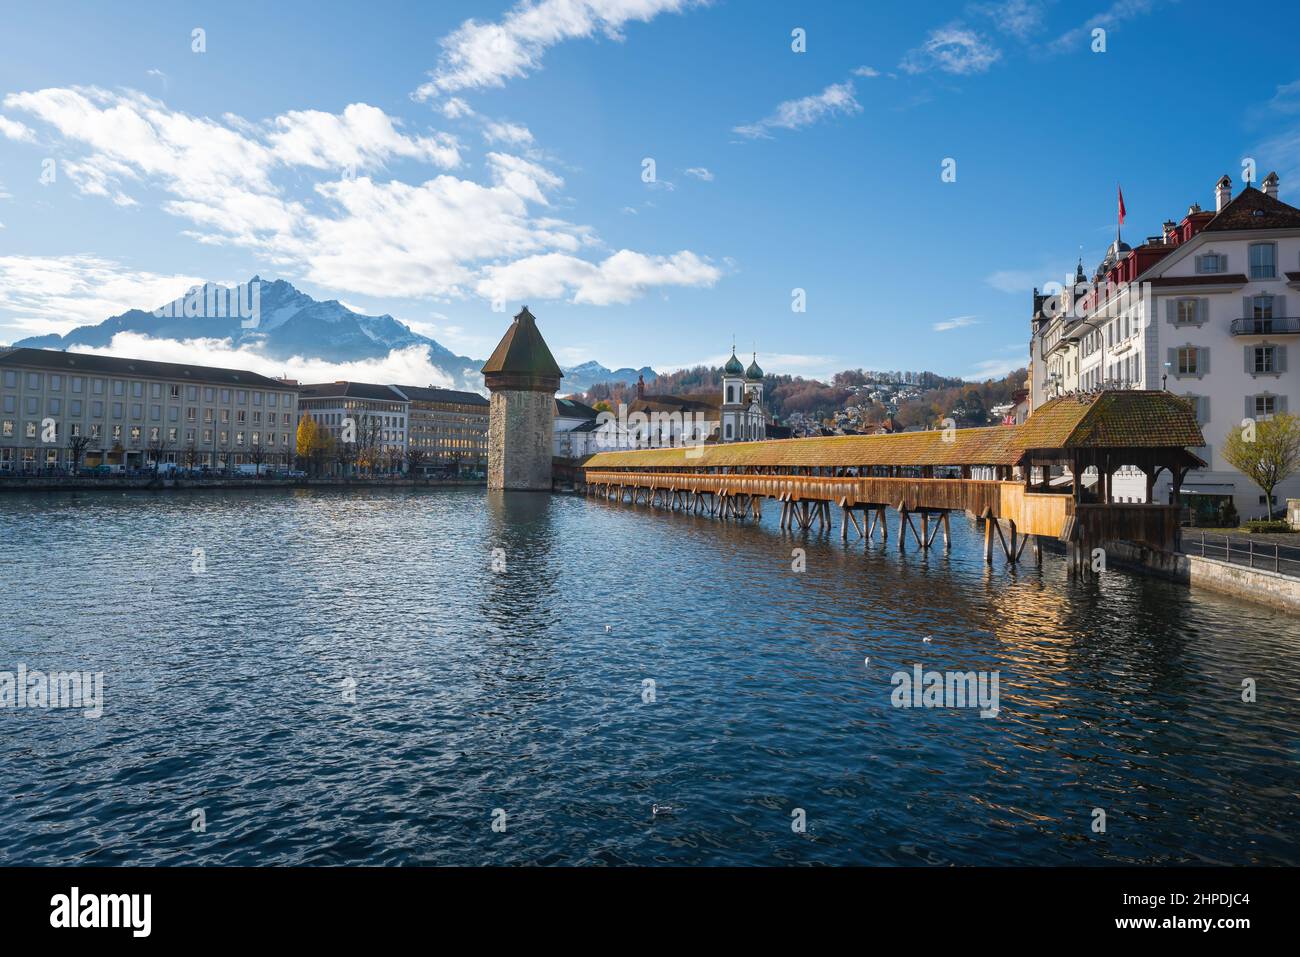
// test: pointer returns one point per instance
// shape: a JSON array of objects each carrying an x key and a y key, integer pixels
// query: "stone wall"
[
  {"x": 1252, "y": 584},
  {"x": 520, "y": 427}
]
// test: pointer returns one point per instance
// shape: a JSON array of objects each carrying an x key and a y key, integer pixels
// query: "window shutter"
[
  {"x": 1279, "y": 403},
  {"x": 1203, "y": 310},
  {"x": 1250, "y": 360},
  {"x": 1171, "y": 311},
  {"x": 1279, "y": 307},
  {"x": 1203, "y": 360},
  {"x": 1201, "y": 264},
  {"x": 1204, "y": 409},
  {"x": 1279, "y": 358},
  {"x": 1172, "y": 358},
  {"x": 1247, "y": 310},
  {"x": 1250, "y": 406}
]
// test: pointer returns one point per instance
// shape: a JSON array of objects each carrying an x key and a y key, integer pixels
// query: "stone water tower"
[{"x": 523, "y": 378}]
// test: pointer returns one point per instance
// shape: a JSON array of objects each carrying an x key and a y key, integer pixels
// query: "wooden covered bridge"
[{"x": 1023, "y": 481}]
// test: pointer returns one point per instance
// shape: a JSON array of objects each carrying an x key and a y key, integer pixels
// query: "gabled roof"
[
  {"x": 1119, "y": 419},
  {"x": 88, "y": 364},
  {"x": 350, "y": 390},
  {"x": 1254, "y": 209},
  {"x": 573, "y": 409},
  {"x": 430, "y": 394},
  {"x": 523, "y": 351},
  {"x": 708, "y": 404}
]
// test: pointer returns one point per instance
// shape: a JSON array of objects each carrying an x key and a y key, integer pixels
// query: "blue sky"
[{"x": 427, "y": 160}]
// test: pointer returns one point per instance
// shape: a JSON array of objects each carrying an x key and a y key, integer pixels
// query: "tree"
[
  {"x": 415, "y": 459},
  {"x": 308, "y": 436},
  {"x": 77, "y": 446},
  {"x": 157, "y": 446},
  {"x": 191, "y": 455},
  {"x": 257, "y": 455},
  {"x": 1266, "y": 452}
]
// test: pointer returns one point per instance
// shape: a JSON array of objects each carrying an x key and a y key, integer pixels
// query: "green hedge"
[{"x": 1261, "y": 525}]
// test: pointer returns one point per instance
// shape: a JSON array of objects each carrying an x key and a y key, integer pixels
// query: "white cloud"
[
  {"x": 1116, "y": 14},
  {"x": 486, "y": 54},
  {"x": 40, "y": 295},
  {"x": 952, "y": 49},
  {"x": 620, "y": 278},
  {"x": 836, "y": 99},
  {"x": 866, "y": 71},
  {"x": 1019, "y": 18},
  {"x": 700, "y": 172},
  {"x": 16, "y": 131},
  {"x": 511, "y": 133},
  {"x": 957, "y": 322},
  {"x": 353, "y": 234},
  {"x": 409, "y": 366},
  {"x": 997, "y": 368},
  {"x": 454, "y": 108},
  {"x": 362, "y": 137}
]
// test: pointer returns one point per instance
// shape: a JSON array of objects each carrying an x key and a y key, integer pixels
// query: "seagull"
[
  {"x": 609, "y": 628},
  {"x": 925, "y": 640},
  {"x": 658, "y": 809},
  {"x": 866, "y": 662}
]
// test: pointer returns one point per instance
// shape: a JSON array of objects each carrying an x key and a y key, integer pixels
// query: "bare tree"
[
  {"x": 77, "y": 445},
  {"x": 415, "y": 459},
  {"x": 157, "y": 447},
  {"x": 257, "y": 455}
]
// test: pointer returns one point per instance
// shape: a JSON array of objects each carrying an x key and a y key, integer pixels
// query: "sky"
[{"x": 654, "y": 178}]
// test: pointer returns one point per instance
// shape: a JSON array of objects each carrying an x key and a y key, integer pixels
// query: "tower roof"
[
  {"x": 523, "y": 352},
  {"x": 733, "y": 366},
  {"x": 1254, "y": 209},
  {"x": 754, "y": 372}
]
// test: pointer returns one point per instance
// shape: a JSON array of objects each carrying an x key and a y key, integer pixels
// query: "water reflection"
[{"x": 521, "y": 688}]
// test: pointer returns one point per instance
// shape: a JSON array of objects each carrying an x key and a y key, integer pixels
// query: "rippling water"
[{"x": 522, "y": 690}]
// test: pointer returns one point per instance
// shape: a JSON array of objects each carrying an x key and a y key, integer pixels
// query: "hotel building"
[
  {"x": 1200, "y": 310},
  {"x": 133, "y": 412},
  {"x": 448, "y": 428}
]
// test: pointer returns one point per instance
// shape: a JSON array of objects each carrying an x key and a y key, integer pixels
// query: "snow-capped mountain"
[
  {"x": 580, "y": 378},
  {"x": 289, "y": 323}
]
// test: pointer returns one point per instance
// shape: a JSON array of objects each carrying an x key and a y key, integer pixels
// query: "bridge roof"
[{"x": 1114, "y": 419}]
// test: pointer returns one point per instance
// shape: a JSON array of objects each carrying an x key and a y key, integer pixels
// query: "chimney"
[
  {"x": 1270, "y": 185},
  {"x": 1222, "y": 193},
  {"x": 1170, "y": 229}
]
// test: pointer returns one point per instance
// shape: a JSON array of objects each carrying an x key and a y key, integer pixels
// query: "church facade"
[{"x": 736, "y": 413}]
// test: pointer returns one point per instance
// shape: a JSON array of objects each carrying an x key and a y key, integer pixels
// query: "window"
[
  {"x": 31, "y": 430},
  {"x": 11, "y": 379},
  {"x": 1265, "y": 406},
  {"x": 135, "y": 434},
  {"x": 119, "y": 387},
  {"x": 117, "y": 410},
  {"x": 137, "y": 390},
  {"x": 33, "y": 380},
  {"x": 1265, "y": 359},
  {"x": 155, "y": 413},
  {"x": 1187, "y": 360},
  {"x": 117, "y": 433},
  {"x": 55, "y": 407},
  {"x": 155, "y": 390},
  {"x": 153, "y": 434},
  {"x": 1263, "y": 261},
  {"x": 56, "y": 383},
  {"x": 76, "y": 384},
  {"x": 171, "y": 435},
  {"x": 94, "y": 430},
  {"x": 97, "y": 386},
  {"x": 74, "y": 408},
  {"x": 10, "y": 403},
  {"x": 137, "y": 410},
  {"x": 1186, "y": 310},
  {"x": 175, "y": 392},
  {"x": 209, "y": 393},
  {"x": 1211, "y": 262},
  {"x": 96, "y": 409},
  {"x": 7, "y": 428}
]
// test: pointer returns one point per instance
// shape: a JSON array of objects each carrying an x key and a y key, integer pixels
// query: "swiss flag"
[{"x": 1122, "y": 210}]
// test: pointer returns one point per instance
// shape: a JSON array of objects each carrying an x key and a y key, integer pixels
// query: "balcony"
[{"x": 1277, "y": 326}]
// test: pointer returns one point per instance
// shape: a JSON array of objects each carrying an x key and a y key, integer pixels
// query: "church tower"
[
  {"x": 523, "y": 378},
  {"x": 733, "y": 398},
  {"x": 757, "y": 424}
]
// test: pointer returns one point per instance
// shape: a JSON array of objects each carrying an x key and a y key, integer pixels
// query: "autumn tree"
[
  {"x": 77, "y": 446},
  {"x": 1267, "y": 452}
]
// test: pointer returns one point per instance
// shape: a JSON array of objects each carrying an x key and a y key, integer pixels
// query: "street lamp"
[{"x": 1164, "y": 377}]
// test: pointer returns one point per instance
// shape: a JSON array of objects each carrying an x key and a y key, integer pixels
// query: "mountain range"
[{"x": 291, "y": 323}]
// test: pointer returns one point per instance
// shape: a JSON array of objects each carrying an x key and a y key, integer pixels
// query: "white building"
[
  {"x": 742, "y": 415},
  {"x": 1202, "y": 311}
]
